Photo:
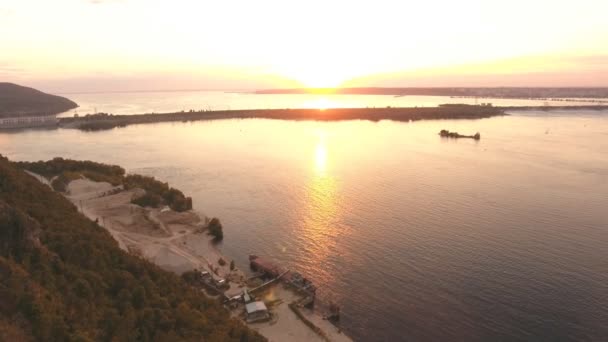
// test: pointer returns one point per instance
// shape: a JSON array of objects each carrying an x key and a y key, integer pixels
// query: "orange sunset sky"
[{"x": 100, "y": 45}]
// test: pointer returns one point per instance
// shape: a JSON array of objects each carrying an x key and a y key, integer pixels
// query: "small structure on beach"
[
  {"x": 271, "y": 269},
  {"x": 298, "y": 281},
  {"x": 265, "y": 266},
  {"x": 246, "y": 296},
  {"x": 29, "y": 121},
  {"x": 256, "y": 311}
]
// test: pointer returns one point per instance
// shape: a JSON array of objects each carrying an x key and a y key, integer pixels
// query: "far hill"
[{"x": 16, "y": 100}]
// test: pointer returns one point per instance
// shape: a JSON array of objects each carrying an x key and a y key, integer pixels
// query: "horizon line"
[{"x": 254, "y": 90}]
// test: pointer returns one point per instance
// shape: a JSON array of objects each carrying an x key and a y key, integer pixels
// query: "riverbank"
[
  {"x": 178, "y": 242},
  {"x": 107, "y": 121}
]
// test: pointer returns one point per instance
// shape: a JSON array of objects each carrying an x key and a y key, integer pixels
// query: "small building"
[
  {"x": 28, "y": 121},
  {"x": 297, "y": 280},
  {"x": 246, "y": 296},
  {"x": 232, "y": 302},
  {"x": 256, "y": 311},
  {"x": 221, "y": 283}
]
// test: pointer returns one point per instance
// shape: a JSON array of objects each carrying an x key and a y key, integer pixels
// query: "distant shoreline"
[
  {"x": 482, "y": 92},
  {"x": 102, "y": 121},
  {"x": 107, "y": 121},
  {"x": 452, "y": 111}
]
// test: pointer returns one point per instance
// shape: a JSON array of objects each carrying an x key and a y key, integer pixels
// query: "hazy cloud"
[
  {"x": 537, "y": 71},
  {"x": 98, "y": 2},
  {"x": 10, "y": 68},
  {"x": 10, "y": 71},
  {"x": 590, "y": 60},
  {"x": 5, "y": 12}
]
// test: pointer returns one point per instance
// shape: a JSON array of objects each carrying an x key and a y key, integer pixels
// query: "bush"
[
  {"x": 215, "y": 228},
  {"x": 222, "y": 262},
  {"x": 95, "y": 171},
  {"x": 148, "y": 200},
  {"x": 174, "y": 198},
  {"x": 67, "y": 170}
]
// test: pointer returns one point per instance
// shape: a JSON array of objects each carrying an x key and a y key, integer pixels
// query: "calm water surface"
[{"x": 418, "y": 238}]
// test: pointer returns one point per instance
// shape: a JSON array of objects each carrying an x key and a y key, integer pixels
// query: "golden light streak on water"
[{"x": 321, "y": 158}]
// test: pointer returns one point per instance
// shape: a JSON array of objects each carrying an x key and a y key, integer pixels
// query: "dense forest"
[
  {"x": 16, "y": 100},
  {"x": 63, "y": 278}
]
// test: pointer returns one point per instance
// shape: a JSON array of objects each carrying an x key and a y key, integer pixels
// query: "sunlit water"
[
  {"x": 164, "y": 102},
  {"x": 417, "y": 237}
]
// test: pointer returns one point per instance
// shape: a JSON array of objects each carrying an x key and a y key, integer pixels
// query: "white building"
[
  {"x": 256, "y": 311},
  {"x": 29, "y": 121}
]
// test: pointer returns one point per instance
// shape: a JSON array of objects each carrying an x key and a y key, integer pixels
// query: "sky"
[{"x": 114, "y": 45}]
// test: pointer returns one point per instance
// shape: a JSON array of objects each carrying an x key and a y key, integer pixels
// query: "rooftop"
[{"x": 255, "y": 307}]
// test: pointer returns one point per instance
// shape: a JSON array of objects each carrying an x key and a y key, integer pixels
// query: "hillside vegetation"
[
  {"x": 63, "y": 171},
  {"x": 16, "y": 100},
  {"x": 63, "y": 278}
]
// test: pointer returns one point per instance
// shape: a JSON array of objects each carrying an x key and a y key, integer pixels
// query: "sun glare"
[
  {"x": 320, "y": 79},
  {"x": 312, "y": 73}
]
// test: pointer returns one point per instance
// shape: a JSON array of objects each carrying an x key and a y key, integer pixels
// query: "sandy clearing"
[{"x": 174, "y": 241}]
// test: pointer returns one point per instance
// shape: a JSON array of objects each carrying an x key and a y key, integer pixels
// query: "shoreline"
[
  {"x": 179, "y": 242},
  {"x": 106, "y": 121},
  {"x": 103, "y": 121}
]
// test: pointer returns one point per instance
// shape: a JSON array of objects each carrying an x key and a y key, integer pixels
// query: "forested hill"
[
  {"x": 63, "y": 278},
  {"x": 16, "y": 100}
]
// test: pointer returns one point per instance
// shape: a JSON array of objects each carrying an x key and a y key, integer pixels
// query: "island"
[
  {"x": 102, "y": 121},
  {"x": 31, "y": 108}
]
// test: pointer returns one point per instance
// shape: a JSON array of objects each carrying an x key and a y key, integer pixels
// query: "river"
[{"x": 416, "y": 237}]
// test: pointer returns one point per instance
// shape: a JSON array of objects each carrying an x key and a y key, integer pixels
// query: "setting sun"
[
  {"x": 278, "y": 44},
  {"x": 318, "y": 76}
]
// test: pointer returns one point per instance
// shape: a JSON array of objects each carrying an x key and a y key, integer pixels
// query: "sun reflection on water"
[
  {"x": 322, "y": 213},
  {"x": 321, "y": 103},
  {"x": 321, "y": 158}
]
